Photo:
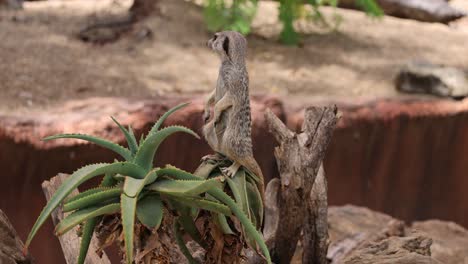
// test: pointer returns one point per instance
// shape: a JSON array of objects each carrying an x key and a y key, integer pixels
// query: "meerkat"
[{"x": 229, "y": 131}]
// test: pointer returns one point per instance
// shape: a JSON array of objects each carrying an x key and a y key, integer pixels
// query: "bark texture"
[
  {"x": 70, "y": 241},
  {"x": 289, "y": 208},
  {"x": 11, "y": 246}
]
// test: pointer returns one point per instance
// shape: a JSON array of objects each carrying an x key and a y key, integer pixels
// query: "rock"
[
  {"x": 394, "y": 250},
  {"x": 450, "y": 241},
  {"x": 11, "y": 4},
  {"x": 360, "y": 235},
  {"x": 422, "y": 10},
  {"x": 351, "y": 227},
  {"x": 423, "y": 77}
]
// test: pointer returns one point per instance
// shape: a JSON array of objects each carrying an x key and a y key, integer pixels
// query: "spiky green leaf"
[
  {"x": 93, "y": 199},
  {"x": 237, "y": 184},
  {"x": 163, "y": 118},
  {"x": 128, "y": 205},
  {"x": 246, "y": 223},
  {"x": 124, "y": 152},
  {"x": 86, "y": 237},
  {"x": 108, "y": 180},
  {"x": 177, "y": 173},
  {"x": 224, "y": 198},
  {"x": 85, "y": 193},
  {"x": 132, "y": 187},
  {"x": 180, "y": 242},
  {"x": 204, "y": 204},
  {"x": 131, "y": 140},
  {"x": 78, "y": 177},
  {"x": 80, "y": 216},
  {"x": 150, "y": 211},
  {"x": 187, "y": 222},
  {"x": 183, "y": 187},
  {"x": 204, "y": 170},
  {"x": 88, "y": 229},
  {"x": 223, "y": 224},
  {"x": 145, "y": 154},
  {"x": 255, "y": 203}
]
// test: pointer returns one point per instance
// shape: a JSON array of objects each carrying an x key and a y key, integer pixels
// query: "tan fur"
[{"x": 229, "y": 131}]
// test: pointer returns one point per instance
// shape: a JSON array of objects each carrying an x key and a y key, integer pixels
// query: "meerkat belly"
[{"x": 236, "y": 140}]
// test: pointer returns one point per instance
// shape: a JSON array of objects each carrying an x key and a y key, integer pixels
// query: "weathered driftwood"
[
  {"x": 422, "y": 10},
  {"x": 11, "y": 246},
  {"x": 70, "y": 241},
  {"x": 315, "y": 233},
  {"x": 289, "y": 208}
]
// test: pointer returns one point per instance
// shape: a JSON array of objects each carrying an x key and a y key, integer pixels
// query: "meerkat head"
[{"x": 230, "y": 45}]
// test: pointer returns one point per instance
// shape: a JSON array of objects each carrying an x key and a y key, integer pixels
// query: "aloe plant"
[{"x": 139, "y": 192}]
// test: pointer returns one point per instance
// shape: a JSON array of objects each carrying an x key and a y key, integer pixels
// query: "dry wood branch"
[
  {"x": 315, "y": 233},
  {"x": 299, "y": 157},
  {"x": 70, "y": 241},
  {"x": 11, "y": 246}
]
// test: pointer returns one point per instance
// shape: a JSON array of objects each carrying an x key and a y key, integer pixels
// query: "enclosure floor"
[{"x": 42, "y": 63}]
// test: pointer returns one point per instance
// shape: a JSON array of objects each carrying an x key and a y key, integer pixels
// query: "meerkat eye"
[{"x": 215, "y": 36}]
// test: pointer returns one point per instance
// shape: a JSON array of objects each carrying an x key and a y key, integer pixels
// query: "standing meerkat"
[{"x": 229, "y": 132}]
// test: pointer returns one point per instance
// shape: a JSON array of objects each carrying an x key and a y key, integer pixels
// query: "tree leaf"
[
  {"x": 80, "y": 216},
  {"x": 78, "y": 177},
  {"x": 145, "y": 154},
  {"x": 124, "y": 152},
  {"x": 150, "y": 211}
]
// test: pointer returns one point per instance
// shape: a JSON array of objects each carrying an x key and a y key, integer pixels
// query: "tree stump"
[{"x": 292, "y": 204}]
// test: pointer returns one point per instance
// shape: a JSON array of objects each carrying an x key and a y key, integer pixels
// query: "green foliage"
[
  {"x": 238, "y": 16},
  {"x": 139, "y": 192},
  {"x": 246, "y": 195}
]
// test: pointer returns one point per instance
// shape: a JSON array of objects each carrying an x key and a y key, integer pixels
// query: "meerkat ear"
[{"x": 226, "y": 45}]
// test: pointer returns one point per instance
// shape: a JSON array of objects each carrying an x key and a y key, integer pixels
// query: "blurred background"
[{"x": 397, "y": 70}]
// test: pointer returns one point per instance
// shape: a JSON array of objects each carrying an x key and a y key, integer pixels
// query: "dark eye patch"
[{"x": 226, "y": 45}]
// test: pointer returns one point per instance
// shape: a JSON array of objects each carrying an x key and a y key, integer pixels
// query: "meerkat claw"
[
  {"x": 212, "y": 157},
  {"x": 231, "y": 170}
]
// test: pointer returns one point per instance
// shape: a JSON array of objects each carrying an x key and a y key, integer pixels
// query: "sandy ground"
[{"x": 42, "y": 63}]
